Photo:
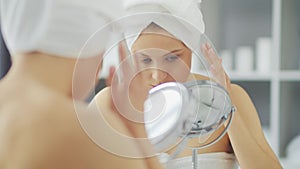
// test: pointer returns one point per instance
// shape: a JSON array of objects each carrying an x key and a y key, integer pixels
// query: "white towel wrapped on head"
[
  {"x": 181, "y": 18},
  {"x": 58, "y": 27}
]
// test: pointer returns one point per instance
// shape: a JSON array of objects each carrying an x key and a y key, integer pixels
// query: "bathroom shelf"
[
  {"x": 256, "y": 76},
  {"x": 289, "y": 75},
  {"x": 251, "y": 76},
  {"x": 276, "y": 95}
]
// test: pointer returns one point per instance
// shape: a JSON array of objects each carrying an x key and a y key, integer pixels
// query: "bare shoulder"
[
  {"x": 51, "y": 136},
  {"x": 102, "y": 102},
  {"x": 238, "y": 90},
  {"x": 246, "y": 110},
  {"x": 103, "y": 96},
  {"x": 242, "y": 101}
]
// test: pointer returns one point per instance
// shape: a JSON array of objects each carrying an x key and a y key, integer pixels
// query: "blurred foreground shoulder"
[{"x": 51, "y": 136}]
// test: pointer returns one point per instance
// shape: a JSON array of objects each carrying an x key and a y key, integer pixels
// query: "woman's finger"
[
  {"x": 205, "y": 52},
  {"x": 215, "y": 63},
  {"x": 126, "y": 65},
  {"x": 123, "y": 51},
  {"x": 110, "y": 77}
]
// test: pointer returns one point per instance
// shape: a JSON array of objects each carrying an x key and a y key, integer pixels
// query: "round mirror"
[{"x": 175, "y": 111}]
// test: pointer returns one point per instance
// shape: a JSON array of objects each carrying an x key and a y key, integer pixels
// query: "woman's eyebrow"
[
  {"x": 178, "y": 51},
  {"x": 144, "y": 54},
  {"x": 141, "y": 54}
]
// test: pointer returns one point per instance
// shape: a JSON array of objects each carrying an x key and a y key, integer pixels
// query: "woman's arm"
[{"x": 246, "y": 135}]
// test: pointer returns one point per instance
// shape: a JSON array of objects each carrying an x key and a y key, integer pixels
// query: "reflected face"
[{"x": 161, "y": 58}]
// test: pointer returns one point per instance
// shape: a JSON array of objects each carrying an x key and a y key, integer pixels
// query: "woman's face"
[{"x": 160, "y": 58}]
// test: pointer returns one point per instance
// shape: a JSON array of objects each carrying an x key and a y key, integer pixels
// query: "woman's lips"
[{"x": 155, "y": 85}]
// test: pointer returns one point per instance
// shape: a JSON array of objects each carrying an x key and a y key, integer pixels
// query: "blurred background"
[{"x": 259, "y": 41}]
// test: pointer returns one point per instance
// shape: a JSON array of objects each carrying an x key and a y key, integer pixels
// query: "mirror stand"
[{"x": 195, "y": 149}]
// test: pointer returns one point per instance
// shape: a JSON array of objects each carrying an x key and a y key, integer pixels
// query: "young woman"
[{"x": 161, "y": 57}]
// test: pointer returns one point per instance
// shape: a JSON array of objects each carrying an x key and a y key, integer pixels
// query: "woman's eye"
[
  {"x": 147, "y": 60},
  {"x": 171, "y": 58}
]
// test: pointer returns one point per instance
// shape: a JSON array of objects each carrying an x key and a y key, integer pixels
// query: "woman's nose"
[{"x": 158, "y": 75}]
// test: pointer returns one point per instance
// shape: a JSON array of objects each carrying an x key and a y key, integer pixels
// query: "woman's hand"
[
  {"x": 120, "y": 79},
  {"x": 122, "y": 86},
  {"x": 216, "y": 68}
]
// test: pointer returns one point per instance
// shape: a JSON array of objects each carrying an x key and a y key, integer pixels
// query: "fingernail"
[
  {"x": 208, "y": 46},
  {"x": 203, "y": 46},
  {"x": 211, "y": 51}
]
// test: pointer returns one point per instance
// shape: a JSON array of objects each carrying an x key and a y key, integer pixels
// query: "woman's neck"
[{"x": 52, "y": 72}]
